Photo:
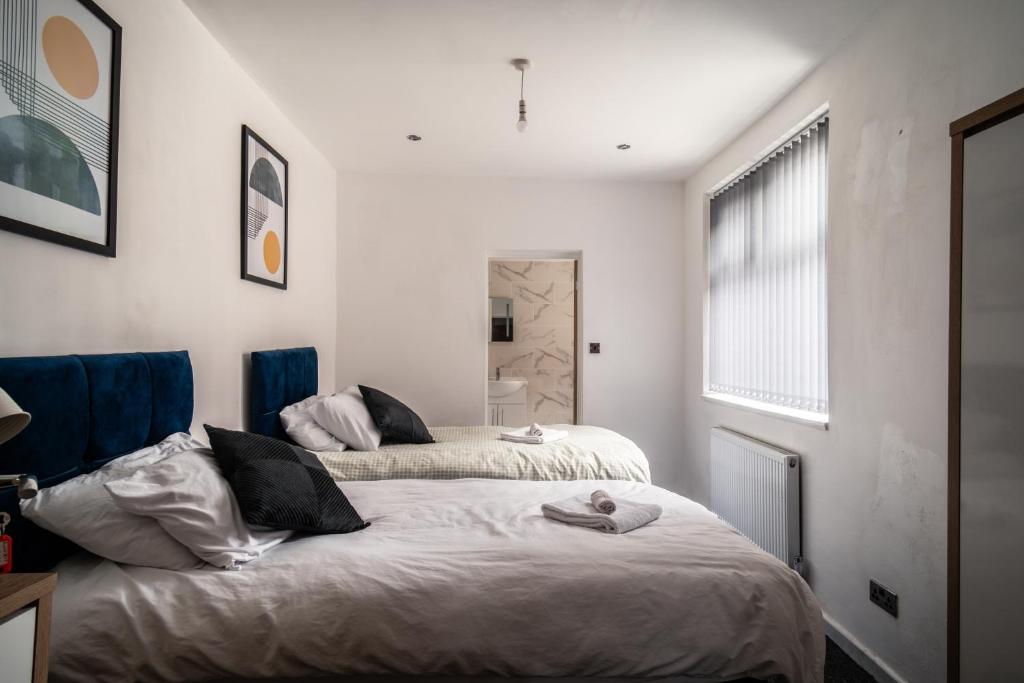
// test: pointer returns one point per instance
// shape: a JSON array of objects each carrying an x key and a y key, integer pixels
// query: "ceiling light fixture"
[
  {"x": 521, "y": 66},
  {"x": 622, "y": 146},
  {"x": 413, "y": 137}
]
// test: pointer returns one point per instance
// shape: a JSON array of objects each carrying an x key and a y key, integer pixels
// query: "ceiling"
[{"x": 676, "y": 79}]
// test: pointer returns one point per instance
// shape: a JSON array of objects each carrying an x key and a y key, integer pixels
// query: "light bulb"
[{"x": 521, "y": 124}]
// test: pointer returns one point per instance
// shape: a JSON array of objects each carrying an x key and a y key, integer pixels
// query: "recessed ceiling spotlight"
[
  {"x": 413, "y": 137},
  {"x": 622, "y": 146}
]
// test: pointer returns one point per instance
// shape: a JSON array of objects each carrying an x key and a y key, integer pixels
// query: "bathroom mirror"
[{"x": 501, "y": 319}]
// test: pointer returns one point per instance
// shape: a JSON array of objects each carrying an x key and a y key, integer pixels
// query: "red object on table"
[{"x": 6, "y": 555}]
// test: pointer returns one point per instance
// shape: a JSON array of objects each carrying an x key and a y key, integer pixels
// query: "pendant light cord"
[{"x": 522, "y": 80}]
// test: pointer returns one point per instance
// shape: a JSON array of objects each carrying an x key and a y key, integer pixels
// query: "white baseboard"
[{"x": 867, "y": 659}]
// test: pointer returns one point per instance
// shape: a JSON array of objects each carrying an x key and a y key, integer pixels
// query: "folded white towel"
[
  {"x": 535, "y": 430},
  {"x": 602, "y": 502},
  {"x": 578, "y": 511},
  {"x": 523, "y": 435}
]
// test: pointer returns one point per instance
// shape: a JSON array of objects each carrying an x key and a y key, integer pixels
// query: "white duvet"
[{"x": 461, "y": 577}]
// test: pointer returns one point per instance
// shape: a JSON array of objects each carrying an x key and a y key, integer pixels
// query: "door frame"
[
  {"x": 988, "y": 116},
  {"x": 542, "y": 255}
]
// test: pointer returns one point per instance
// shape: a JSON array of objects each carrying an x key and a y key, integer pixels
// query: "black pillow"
[
  {"x": 395, "y": 420},
  {"x": 281, "y": 486}
]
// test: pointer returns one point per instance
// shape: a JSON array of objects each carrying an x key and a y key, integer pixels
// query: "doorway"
[
  {"x": 986, "y": 354},
  {"x": 532, "y": 341}
]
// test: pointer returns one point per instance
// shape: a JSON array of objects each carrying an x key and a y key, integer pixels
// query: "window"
[{"x": 767, "y": 326}]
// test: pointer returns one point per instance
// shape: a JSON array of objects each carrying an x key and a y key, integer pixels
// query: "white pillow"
[
  {"x": 303, "y": 429},
  {"x": 345, "y": 416},
  {"x": 81, "y": 510},
  {"x": 192, "y": 502}
]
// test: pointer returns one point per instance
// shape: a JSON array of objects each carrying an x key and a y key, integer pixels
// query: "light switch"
[{"x": 595, "y": 347}]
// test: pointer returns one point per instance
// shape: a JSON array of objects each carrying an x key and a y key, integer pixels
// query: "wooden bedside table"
[{"x": 25, "y": 605}]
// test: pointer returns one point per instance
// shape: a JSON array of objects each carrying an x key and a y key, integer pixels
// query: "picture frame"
[
  {"x": 264, "y": 215},
  {"x": 60, "y": 92}
]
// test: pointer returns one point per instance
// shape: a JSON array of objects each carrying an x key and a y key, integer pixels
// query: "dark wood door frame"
[{"x": 990, "y": 115}]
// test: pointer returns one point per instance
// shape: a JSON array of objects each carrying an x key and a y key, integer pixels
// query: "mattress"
[
  {"x": 477, "y": 452},
  {"x": 461, "y": 577}
]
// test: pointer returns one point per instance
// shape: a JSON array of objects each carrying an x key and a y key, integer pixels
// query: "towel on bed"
[
  {"x": 579, "y": 512},
  {"x": 602, "y": 502},
  {"x": 528, "y": 435}
]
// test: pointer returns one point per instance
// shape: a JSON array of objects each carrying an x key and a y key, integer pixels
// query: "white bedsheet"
[
  {"x": 477, "y": 452},
  {"x": 461, "y": 577}
]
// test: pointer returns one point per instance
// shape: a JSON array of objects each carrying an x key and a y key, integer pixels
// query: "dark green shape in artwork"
[
  {"x": 263, "y": 179},
  {"x": 36, "y": 156}
]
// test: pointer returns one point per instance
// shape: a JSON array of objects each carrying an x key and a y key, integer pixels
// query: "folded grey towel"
[
  {"x": 602, "y": 502},
  {"x": 578, "y": 511}
]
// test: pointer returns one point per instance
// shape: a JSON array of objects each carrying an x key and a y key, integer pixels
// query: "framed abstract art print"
[
  {"x": 60, "y": 66},
  {"x": 264, "y": 212}
]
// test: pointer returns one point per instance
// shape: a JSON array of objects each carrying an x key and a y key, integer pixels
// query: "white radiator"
[{"x": 755, "y": 487}]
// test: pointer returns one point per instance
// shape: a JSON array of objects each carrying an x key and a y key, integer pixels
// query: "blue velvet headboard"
[
  {"x": 278, "y": 379},
  {"x": 86, "y": 411}
]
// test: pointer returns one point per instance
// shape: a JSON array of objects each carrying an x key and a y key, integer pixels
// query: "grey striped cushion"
[{"x": 281, "y": 486}]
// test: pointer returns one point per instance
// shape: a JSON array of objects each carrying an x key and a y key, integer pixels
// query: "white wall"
[
  {"x": 175, "y": 282},
  {"x": 874, "y": 484},
  {"x": 412, "y": 293}
]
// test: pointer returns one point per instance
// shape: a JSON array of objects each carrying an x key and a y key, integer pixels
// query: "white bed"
[
  {"x": 459, "y": 577},
  {"x": 466, "y": 452}
]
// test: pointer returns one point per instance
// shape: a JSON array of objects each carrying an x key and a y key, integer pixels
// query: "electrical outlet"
[
  {"x": 595, "y": 347},
  {"x": 885, "y": 598}
]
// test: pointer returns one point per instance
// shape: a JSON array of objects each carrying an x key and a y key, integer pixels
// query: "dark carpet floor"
[{"x": 839, "y": 668}]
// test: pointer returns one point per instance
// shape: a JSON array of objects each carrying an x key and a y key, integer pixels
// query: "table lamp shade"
[{"x": 12, "y": 418}]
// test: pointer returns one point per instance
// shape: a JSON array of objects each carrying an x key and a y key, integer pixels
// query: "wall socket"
[{"x": 885, "y": 598}]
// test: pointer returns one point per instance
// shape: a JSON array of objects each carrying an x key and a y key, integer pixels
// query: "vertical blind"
[{"x": 767, "y": 266}]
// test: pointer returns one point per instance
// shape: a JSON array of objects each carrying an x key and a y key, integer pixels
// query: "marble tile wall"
[{"x": 543, "y": 307}]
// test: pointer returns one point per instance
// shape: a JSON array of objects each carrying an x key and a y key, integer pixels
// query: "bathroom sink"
[{"x": 496, "y": 388}]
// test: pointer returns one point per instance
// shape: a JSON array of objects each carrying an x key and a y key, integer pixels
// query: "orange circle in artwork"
[
  {"x": 272, "y": 251},
  {"x": 70, "y": 57}
]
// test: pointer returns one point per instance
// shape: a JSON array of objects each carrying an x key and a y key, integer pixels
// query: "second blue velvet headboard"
[
  {"x": 277, "y": 379},
  {"x": 86, "y": 411}
]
